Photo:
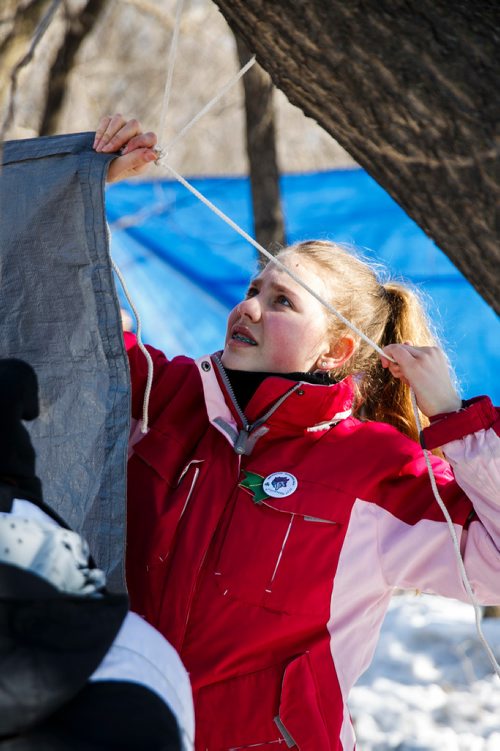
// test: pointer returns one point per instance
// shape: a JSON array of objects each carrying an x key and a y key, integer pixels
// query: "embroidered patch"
[
  {"x": 280, "y": 484},
  {"x": 253, "y": 483}
]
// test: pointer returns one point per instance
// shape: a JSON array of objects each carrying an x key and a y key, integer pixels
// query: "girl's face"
[{"x": 279, "y": 327}]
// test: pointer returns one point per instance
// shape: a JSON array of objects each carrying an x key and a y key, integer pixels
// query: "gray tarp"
[{"x": 59, "y": 312}]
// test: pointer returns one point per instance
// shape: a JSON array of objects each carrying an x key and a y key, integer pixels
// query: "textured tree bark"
[
  {"x": 409, "y": 88},
  {"x": 78, "y": 26},
  {"x": 261, "y": 152},
  {"x": 19, "y": 23}
]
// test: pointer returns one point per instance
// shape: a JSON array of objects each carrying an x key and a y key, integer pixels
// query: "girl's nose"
[{"x": 250, "y": 308}]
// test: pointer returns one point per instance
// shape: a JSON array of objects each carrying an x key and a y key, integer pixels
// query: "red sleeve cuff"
[
  {"x": 477, "y": 414},
  {"x": 129, "y": 339}
]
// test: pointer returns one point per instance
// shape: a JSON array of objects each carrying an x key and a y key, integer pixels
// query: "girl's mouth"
[{"x": 242, "y": 338}]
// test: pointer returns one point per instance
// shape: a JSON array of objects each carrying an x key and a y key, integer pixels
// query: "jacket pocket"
[
  {"x": 162, "y": 453},
  {"x": 153, "y": 521},
  {"x": 300, "y": 719},
  {"x": 281, "y": 553}
]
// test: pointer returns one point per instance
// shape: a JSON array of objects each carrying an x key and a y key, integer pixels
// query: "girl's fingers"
[
  {"x": 101, "y": 129},
  {"x": 115, "y": 123},
  {"x": 426, "y": 370},
  {"x": 408, "y": 360},
  {"x": 130, "y": 165},
  {"x": 117, "y": 132},
  {"x": 398, "y": 355},
  {"x": 114, "y": 134},
  {"x": 141, "y": 141},
  {"x": 406, "y": 356},
  {"x": 392, "y": 351},
  {"x": 122, "y": 136}
]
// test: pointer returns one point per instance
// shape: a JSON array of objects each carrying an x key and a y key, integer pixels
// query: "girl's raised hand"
[
  {"x": 136, "y": 148},
  {"x": 426, "y": 370}
]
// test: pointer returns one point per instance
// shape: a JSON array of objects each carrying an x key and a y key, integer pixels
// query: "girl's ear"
[{"x": 339, "y": 353}]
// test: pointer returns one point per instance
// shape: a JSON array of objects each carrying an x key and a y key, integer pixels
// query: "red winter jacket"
[{"x": 270, "y": 570}]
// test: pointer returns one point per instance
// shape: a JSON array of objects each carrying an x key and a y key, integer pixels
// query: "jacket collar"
[
  {"x": 310, "y": 407},
  {"x": 307, "y": 407}
]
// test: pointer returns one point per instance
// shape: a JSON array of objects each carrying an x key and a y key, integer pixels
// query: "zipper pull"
[{"x": 240, "y": 444}]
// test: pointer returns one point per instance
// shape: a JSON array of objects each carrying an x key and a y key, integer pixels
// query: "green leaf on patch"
[{"x": 253, "y": 483}]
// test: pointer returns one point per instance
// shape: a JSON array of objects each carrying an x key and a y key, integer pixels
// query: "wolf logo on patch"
[{"x": 280, "y": 484}]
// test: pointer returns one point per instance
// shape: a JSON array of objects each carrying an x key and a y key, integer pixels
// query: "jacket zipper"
[
  {"x": 227, "y": 384},
  {"x": 244, "y": 433}
]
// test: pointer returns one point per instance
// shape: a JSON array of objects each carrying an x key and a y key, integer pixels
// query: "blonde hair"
[{"x": 388, "y": 313}]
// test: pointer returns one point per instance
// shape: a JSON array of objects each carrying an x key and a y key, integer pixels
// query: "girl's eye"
[
  {"x": 282, "y": 300},
  {"x": 251, "y": 292}
]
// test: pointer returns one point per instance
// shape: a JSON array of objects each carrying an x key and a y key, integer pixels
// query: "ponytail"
[{"x": 385, "y": 398}]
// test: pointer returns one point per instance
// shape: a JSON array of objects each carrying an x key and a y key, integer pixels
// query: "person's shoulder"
[
  {"x": 377, "y": 438},
  {"x": 183, "y": 362},
  {"x": 135, "y": 351},
  {"x": 179, "y": 371},
  {"x": 391, "y": 472},
  {"x": 368, "y": 455}
]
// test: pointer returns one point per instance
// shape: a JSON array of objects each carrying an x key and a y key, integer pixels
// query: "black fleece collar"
[{"x": 245, "y": 383}]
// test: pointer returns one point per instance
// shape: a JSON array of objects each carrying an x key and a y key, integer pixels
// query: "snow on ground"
[{"x": 430, "y": 686}]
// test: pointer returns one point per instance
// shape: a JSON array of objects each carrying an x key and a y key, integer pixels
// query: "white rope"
[
  {"x": 229, "y": 85},
  {"x": 456, "y": 545},
  {"x": 166, "y": 99},
  {"x": 275, "y": 260},
  {"x": 139, "y": 217},
  {"x": 172, "y": 55},
  {"x": 149, "y": 380}
]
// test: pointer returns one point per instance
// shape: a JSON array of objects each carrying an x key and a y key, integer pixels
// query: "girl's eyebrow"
[
  {"x": 284, "y": 289},
  {"x": 276, "y": 286}
]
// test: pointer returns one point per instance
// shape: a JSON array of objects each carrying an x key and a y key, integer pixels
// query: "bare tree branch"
[
  {"x": 25, "y": 60},
  {"x": 22, "y": 22}
]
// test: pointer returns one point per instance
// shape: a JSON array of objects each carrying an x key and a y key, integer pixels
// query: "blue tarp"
[{"x": 185, "y": 268}]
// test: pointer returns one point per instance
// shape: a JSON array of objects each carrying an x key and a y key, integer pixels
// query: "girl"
[{"x": 279, "y": 495}]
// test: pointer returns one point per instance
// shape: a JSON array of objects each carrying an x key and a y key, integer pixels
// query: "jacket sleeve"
[
  {"x": 139, "y": 373},
  {"x": 415, "y": 545}
]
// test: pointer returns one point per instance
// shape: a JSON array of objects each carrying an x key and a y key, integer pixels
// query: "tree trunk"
[
  {"x": 78, "y": 26},
  {"x": 261, "y": 151},
  {"x": 410, "y": 90}
]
